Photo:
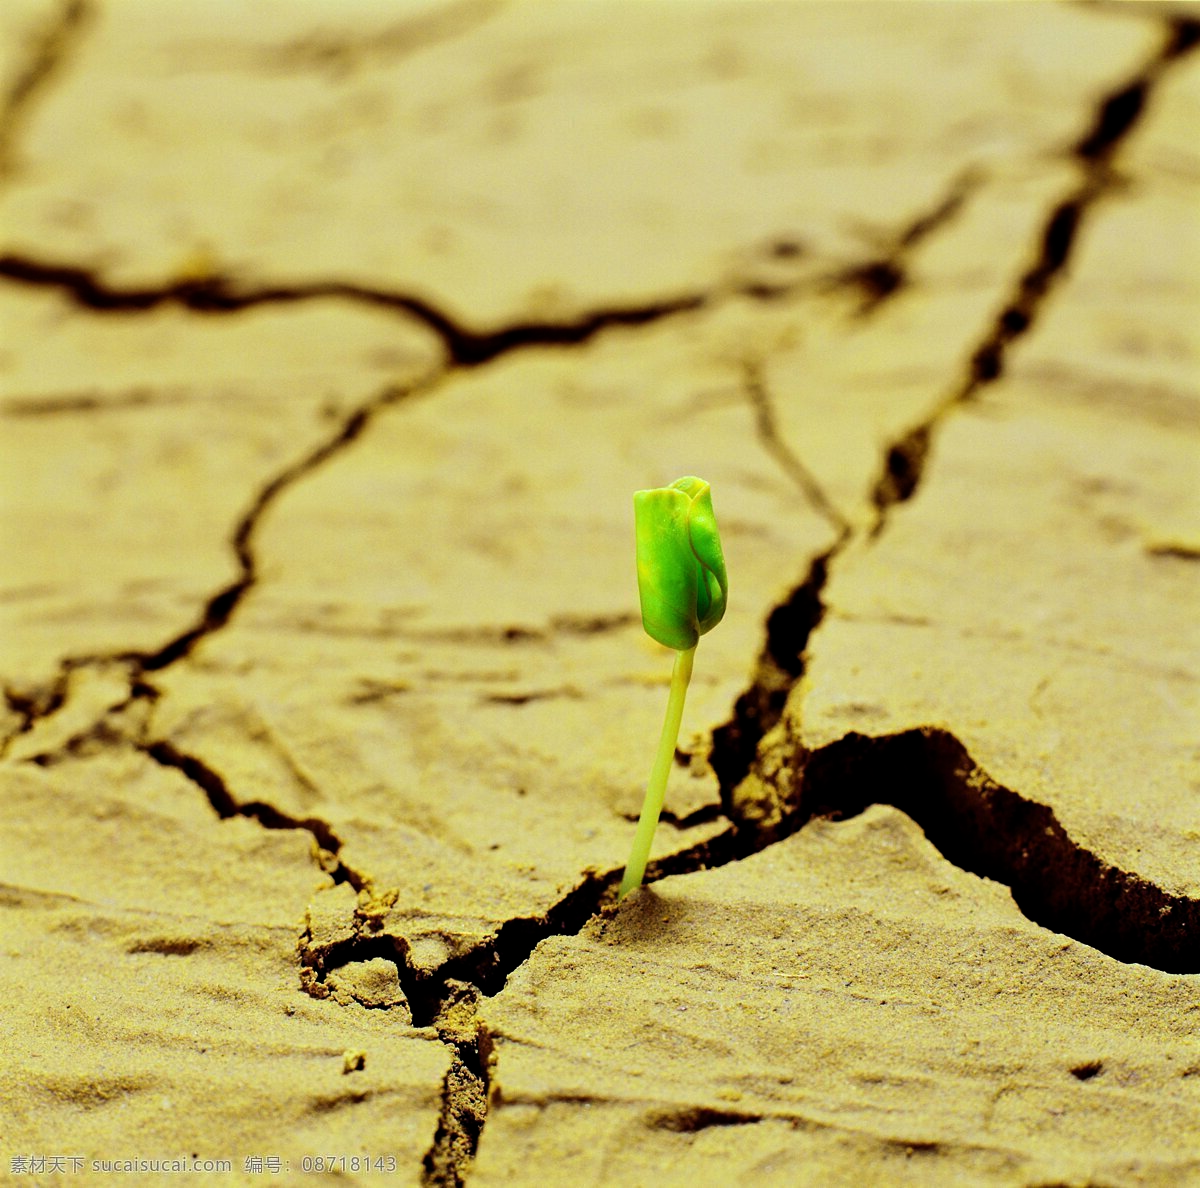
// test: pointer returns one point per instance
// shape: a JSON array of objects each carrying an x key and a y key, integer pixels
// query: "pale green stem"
[{"x": 656, "y": 790}]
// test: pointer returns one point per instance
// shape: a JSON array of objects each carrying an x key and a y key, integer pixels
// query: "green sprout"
[{"x": 683, "y": 589}]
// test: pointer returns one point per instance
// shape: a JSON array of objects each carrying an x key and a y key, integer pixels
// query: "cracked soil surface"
[{"x": 334, "y": 340}]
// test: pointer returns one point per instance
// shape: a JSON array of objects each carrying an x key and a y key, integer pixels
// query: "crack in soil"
[
  {"x": 992, "y": 831},
  {"x": 789, "y": 462},
  {"x": 441, "y": 1001},
  {"x": 30, "y": 705},
  {"x": 976, "y": 823},
  {"x": 221, "y": 606},
  {"x": 781, "y": 663},
  {"x": 927, "y": 773},
  {"x": 881, "y": 277},
  {"x": 463, "y": 349},
  {"x": 779, "y": 667},
  {"x": 327, "y": 845},
  {"x": 1116, "y": 117},
  {"x": 466, "y": 1090},
  {"x": 771, "y": 785},
  {"x": 48, "y": 52},
  {"x": 487, "y": 966},
  {"x": 33, "y": 704}
]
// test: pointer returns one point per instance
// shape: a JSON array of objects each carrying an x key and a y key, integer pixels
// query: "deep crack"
[
  {"x": 975, "y": 823},
  {"x": 937, "y": 784},
  {"x": 443, "y": 1002},
  {"x": 466, "y": 1090},
  {"x": 463, "y": 349},
  {"x": 996, "y": 833},
  {"x": 780, "y": 665}
]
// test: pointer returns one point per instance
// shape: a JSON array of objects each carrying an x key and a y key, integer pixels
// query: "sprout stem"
[{"x": 656, "y": 790}]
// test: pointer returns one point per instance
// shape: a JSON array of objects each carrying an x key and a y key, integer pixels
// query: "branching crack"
[
  {"x": 446, "y": 998},
  {"x": 1117, "y": 115},
  {"x": 882, "y": 276},
  {"x": 34, "y": 704},
  {"x": 463, "y": 349},
  {"x": 221, "y": 605},
  {"x": 31, "y": 705},
  {"x": 926, "y": 773},
  {"x": 327, "y": 844},
  {"x": 48, "y": 52},
  {"x": 221, "y": 295},
  {"x": 994, "y": 832},
  {"x": 781, "y": 663},
  {"x": 443, "y": 1002},
  {"x": 485, "y": 965},
  {"x": 1112, "y": 910}
]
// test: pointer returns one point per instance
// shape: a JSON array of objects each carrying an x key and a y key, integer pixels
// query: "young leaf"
[
  {"x": 683, "y": 590},
  {"x": 680, "y": 565}
]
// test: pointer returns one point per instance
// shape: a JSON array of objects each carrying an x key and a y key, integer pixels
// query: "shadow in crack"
[
  {"x": 780, "y": 666},
  {"x": 994, "y": 832}
]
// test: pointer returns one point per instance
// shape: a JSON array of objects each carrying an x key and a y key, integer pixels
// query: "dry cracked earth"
[{"x": 335, "y": 339}]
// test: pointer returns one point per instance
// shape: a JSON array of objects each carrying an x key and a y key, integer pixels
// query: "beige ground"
[{"x": 334, "y": 339}]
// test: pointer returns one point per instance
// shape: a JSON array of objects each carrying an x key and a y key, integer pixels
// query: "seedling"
[{"x": 683, "y": 590}]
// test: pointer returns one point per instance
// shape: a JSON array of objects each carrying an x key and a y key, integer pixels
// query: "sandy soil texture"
[{"x": 335, "y": 337}]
